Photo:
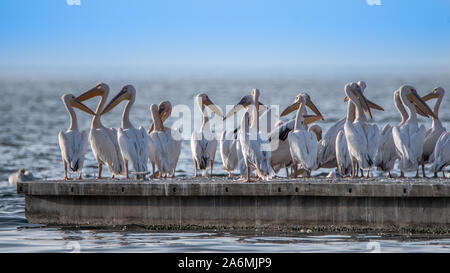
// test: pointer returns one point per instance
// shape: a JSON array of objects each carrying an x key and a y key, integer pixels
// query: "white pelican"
[
  {"x": 409, "y": 137},
  {"x": 204, "y": 142},
  {"x": 278, "y": 138},
  {"x": 343, "y": 160},
  {"x": 327, "y": 146},
  {"x": 302, "y": 143},
  {"x": 133, "y": 142},
  {"x": 362, "y": 138},
  {"x": 432, "y": 135},
  {"x": 252, "y": 145},
  {"x": 104, "y": 142},
  {"x": 441, "y": 154},
  {"x": 73, "y": 143},
  {"x": 165, "y": 143},
  {"x": 229, "y": 146}
]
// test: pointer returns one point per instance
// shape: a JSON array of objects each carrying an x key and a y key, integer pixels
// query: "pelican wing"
[
  {"x": 159, "y": 151},
  {"x": 386, "y": 154},
  {"x": 73, "y": 145},
  {"x": 441, "y": 152},
  {"x": 343, "y": 160},
  {"x": 255, "y": 155},
  {"x": 106, "y": 149},
  {"x": 203, "y": 146},
  {"x": 228, "y": 150},
  {"x": 373, "y": 136},
  {"x": 357, "y": 143},
  {"x": 303, "y": 148},
  {"x": 174, "y": 148},
  {"x": 134, "y": 147},
  {"x": 327, "y": 146}
]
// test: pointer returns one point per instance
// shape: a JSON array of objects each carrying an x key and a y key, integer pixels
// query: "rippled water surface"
[{"x": 31, "y": 115}]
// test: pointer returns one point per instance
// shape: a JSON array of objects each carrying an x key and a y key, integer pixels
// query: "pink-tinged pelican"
[
  {"x": 255, "y": 150},
  {"x": 104, "y": 142},
  {"x": 229, "y": 146},
  {"x": 441, "y": 155},
  {"x": 409, "y": 137},
  {"x": 362, "y": 138},
  {"x": 133, "y": 142},
  {"x": 73, "y": 143},
  {"x": 432, "y": 135},
  {"x": 302, "y": 143},
  {"x": 327, "y": 146},
  {"x": 165, "y": 143},
  {"x": 278, "y": 138},
  {"x": 204, "y": 142}
]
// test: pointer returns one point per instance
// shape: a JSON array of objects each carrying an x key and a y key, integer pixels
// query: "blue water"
[{"x": 32, "y": 114}]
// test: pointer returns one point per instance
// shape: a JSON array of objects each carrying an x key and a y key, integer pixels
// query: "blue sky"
[{"x": 142, "y": 36}]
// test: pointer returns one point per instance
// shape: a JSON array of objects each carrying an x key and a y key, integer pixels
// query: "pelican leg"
[
  {"x": 248, "y": 174},
  {"x": 417, "y": 173},
  {"x": 389, "y": 174},
  {"x": 287, "y": 172},
  {"x": 402, "y": 174},
  {"x": 308, "y": 173},
  {"x": 173, "y": 174},
  {"x": 423, "y": 170},
  {"x": 153, "y": 170},
  {"x": 294, "y": 172},
  {"x": 435, "y": 175},
  {"x": 80, "y": 177},
  {"x": 212, "y": 165},
  {"x": 368, "y": 174},
  {"x": 65, "y": 171},
  {"x": 229, "y": 174},
  {"x": 126, "y": 169},
  {"x": 195, "y": 166},
  {"x": 100, "y": 167},
  {"x": 362, "y": 172}
]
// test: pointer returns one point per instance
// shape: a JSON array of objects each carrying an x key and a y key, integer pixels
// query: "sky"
[{"x": 143, "y": 37}]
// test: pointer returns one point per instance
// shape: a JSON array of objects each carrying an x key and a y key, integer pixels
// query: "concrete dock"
[{"x": 317, "y": 204}]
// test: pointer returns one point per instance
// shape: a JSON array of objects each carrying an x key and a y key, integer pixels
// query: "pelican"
[
  {"x": 302, "y": 143},
  {"x": 73, "y": 143},
  {"x": 133, "y": 142},
  {"x": 281, "y": 157},
  {"x": 432, "y": 135},
  {"x": 165, "y": 143},
  {"x": 409, "y": 137},
  {"x": 204, "y": 142},
  {"x": 343, "y": 160},
  {"x": 229, "y": 146},
  {"x": 362, "y": 138},
  {"x": 104, "y": 142},
  {"x": 441, "y": 154},
  {"x": 252, "y": 145},
  {"x": 327, "y": 146}
]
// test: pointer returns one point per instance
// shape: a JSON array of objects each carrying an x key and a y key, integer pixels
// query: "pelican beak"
[
  {"x": 213, "y": 107},
  {"x": 372, "y": 105},
  {"x": 94, "y": 92},
  {"x": 419, "y": 103},
  {"x": 363, "y": 101},
  {"x": 122, "y": 95},
  {"x": 308, "y": 119},
  {"x": 429, "y": 96},
  {"x": 241, "y": 104},
  {"x": 77, "y": 104},
  {"x": 291, "y": 108},
  {"x": 313, "y": 107}
]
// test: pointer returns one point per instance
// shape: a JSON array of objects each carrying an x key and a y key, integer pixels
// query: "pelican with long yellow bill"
[
  {"x": 278, "y": 138},
  {"x": 303, "y": 143},
  {"x": 133, "y": 143},
  {"x": 362, "y": 137},
  {"x": 437, "y": 129},
  {"x": 104, "y": 142},
  {"x": 204, "y": 142},
  {"x": 409, "y": 137},
  {"x": 72, "y": 142}
]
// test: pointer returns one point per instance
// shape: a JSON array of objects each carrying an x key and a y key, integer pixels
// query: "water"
[{"x": 31, "y": 115}]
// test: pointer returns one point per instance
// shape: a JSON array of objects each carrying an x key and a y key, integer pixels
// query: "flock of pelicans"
[{"x": 352, "y": 144}]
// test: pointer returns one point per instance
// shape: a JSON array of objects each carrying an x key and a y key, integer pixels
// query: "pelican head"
[
  {"x": 434, "y": 94},
  {"x": 317, "y": 130},
  {"x": 296, "y": 104},
  {"x": 354, "y": 93},
  {"x": 71, "y": 100},
  {"x": 127, "y": 93},
  {"x": 203, "y": 99},
  {"x": 410, "y": 93},
  {"x": 372, "y": 105},
  {"x": 164, "y": 110},
  {"x": 99, "y": 90},
  {"x": 244, "y": 102}
]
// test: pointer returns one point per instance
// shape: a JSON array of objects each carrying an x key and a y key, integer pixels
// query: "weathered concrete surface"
[{"x": 376, "y": 204}]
